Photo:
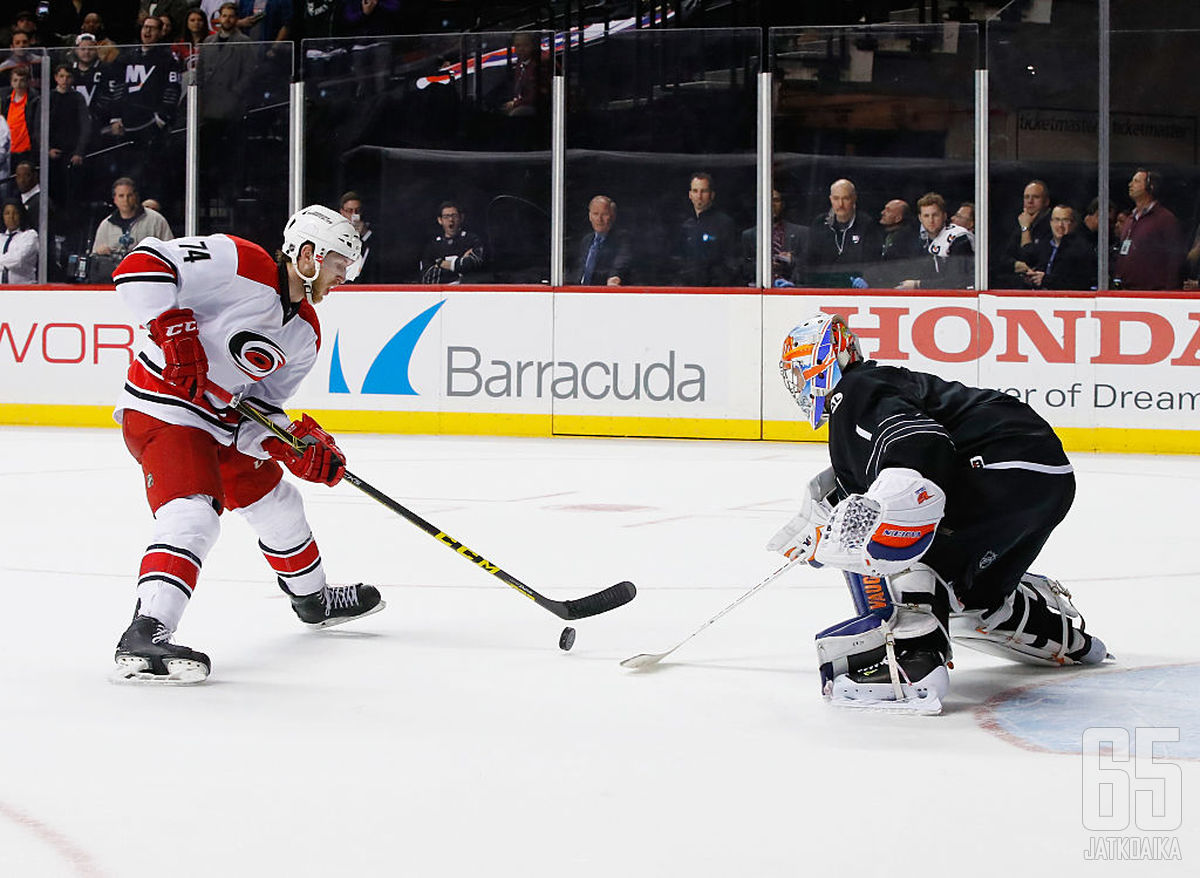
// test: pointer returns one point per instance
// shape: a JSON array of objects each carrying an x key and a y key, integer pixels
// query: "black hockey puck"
[{"x": 567, "y": 639}]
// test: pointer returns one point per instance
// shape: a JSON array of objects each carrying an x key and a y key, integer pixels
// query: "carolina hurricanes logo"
[{"x": 255, "y": 354}]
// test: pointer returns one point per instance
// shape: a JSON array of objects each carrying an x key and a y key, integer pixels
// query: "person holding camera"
[{"x": 121, "y": 230}]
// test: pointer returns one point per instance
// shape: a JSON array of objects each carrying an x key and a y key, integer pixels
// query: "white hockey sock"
[
  {"x": 185, "y": 529},
  {"x": 286, "y": 540}
]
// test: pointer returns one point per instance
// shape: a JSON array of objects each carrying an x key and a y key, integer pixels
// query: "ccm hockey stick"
[
  {"x": 647, "y": 659},
  {"x": 590, "y": 605}
]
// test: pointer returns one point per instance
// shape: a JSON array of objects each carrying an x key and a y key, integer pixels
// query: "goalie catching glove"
[
  {"x": 886, "y": 529},
  {"x": 320, "y": 461},
  {"x": 185, "y": 365}
]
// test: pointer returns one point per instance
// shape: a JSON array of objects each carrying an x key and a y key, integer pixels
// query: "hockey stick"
[
  {"x": 646, "y": 659},
  {"x": 590, "y": 605}
]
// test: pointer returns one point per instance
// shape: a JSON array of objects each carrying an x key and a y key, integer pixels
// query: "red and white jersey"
[{"x": 257, "y": 341}]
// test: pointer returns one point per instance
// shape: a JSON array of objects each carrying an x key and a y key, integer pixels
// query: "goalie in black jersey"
[{"x": 939, "y": 498}]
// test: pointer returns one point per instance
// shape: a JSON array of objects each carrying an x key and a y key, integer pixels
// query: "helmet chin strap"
[{"x": 306, "y": 279}]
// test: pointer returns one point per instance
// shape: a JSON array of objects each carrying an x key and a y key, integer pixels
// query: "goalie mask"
[
  {"x": 327, "y": 230},
  {"x": 814, "y": 355}
]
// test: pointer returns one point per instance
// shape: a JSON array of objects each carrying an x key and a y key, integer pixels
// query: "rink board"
[{"x": 1111, "y": 372}]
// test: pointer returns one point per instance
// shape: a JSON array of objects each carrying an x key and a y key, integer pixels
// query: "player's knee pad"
[
  {"x": 188, "y": 523},
  {"x": 278, "y": 518},
  {"x": 1037, "y": 624}
]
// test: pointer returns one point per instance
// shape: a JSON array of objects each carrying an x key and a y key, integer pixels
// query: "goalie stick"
[
  {"x": 646, "y": 659},
  {"x": 589, "y": 605}
]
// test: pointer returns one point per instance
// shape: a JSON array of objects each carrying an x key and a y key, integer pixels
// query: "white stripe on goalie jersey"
[
  {"x": 901, "y": 427},
  {"x": 1030, "y": 465},
  {"x": 861, "y": 432}
]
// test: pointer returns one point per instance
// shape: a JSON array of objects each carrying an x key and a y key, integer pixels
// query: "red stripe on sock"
[
  {"x": 180, "y": 567},
  {"x": 296, "y": 561}
]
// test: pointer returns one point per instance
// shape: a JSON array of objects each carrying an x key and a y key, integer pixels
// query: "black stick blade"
[{"x": 601, "y": 602}]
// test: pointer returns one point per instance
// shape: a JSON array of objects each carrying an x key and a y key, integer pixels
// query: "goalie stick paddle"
[
  {"x": 589, "y": 605},
  {"x": 648, "y": 659}
]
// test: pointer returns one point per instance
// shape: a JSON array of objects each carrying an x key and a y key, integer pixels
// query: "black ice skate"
[
  {"x": 145, "y": 654},
  {"x": 335, "y": 604},
  {"x": 917, "y": 684}
]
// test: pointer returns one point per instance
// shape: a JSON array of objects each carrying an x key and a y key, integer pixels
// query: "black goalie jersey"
[{"x": 1006, "y": 477}]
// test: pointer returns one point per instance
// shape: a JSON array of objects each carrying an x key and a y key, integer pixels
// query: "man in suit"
[
  {"x": 789, "y": 244},
  {"x": 605, "y": 253},
  {"x": 1064, "y": 261}
]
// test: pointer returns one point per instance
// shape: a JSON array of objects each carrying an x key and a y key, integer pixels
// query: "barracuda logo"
[
  {"x": 658, "y": 381},
  {"x": 389, "y": 372}
]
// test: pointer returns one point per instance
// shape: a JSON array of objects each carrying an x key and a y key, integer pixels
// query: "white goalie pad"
[
  {"x": 1001, "y": 634},
  {"x": 885, "y": 530},
  {"x": 869, "y": 644}
]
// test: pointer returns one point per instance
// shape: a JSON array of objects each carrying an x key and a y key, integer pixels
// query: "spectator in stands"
[
  {"x": 265, "y": 21},
  {"x": 453, "y": 254},
  {"x": 19, "y": 249},
  {"x": 1064, "y": 262},
  {"x": 965, "y": 216},
  {"x": 176, "y": 10},
  {"x": 144, "y": 86},
  {"x": 120, "y": 231},
  {"x": 529, "y": 87},
  {"x": 70, "y": 132},
  {"x": 1032, "y": 227},
  {"x": 226, "y": 75},
  {"x": 93, "y": 23},
  {"x": 85, "y": 68},
  {"x": 606, "y": 252},
  {"x": 365, "y": 270},
  {"x": 842, "y": 242},
  {"x": 29, "y": 190},
  {"x": 65, "y": 19},
  {"x": 1151, "y": 252},
  {"x": 789, "y": 248},
  {"x": 23, "y": 54},
  {"x": 949, "y": 261},
  {"x": 25, "y": 23},
  {"x": 187, "y": 48},
  {"x": 708, "y": 245},
  {"x": 899, "y": 244},
  {"x": 5, "y": 150},
  {"x": 20, "y": 110}
]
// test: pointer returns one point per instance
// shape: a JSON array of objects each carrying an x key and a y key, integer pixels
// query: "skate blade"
[
  {"x": 930, "y": 705},
  {"x": 180, "y": 672},
  {"x": 340, "y": 620}
]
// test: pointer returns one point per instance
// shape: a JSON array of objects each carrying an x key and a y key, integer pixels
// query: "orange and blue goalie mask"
[{"x": 814, "y": 355}]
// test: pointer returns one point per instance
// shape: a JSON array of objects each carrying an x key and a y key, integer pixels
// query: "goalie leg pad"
[
  {"x": 1036, "y": 625},
  {"x": 865, "y": 664}
]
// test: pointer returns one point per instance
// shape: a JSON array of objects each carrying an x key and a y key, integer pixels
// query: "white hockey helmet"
[
  {"x": 327, "y": 230},
  {"x": 814, "y": 355}
]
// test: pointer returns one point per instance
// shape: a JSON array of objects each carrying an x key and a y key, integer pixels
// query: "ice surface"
[{"x": 449, "y": 736}]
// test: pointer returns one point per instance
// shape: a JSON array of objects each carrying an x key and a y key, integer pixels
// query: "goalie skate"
[
  {"x": 145, "y": 654},
  {"x": 335, "y": 604},
  {"x": 913, "y": 682}
]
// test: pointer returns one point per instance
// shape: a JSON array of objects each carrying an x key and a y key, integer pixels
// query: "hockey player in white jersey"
[
  {"x": 938, "y": 499},
  {"x": 220, "y": 309}
]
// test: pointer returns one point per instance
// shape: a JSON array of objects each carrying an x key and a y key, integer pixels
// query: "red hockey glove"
[
  {"x": 322, "y": 460},
  {"x": 175, "y": 331}
]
